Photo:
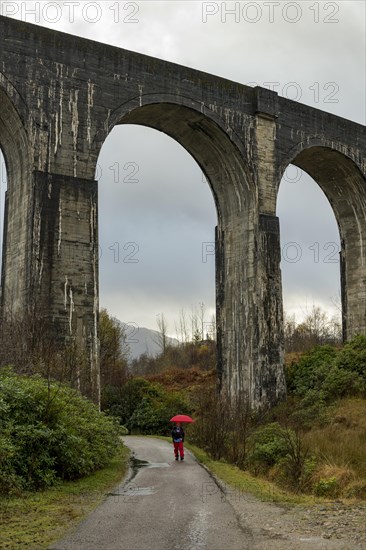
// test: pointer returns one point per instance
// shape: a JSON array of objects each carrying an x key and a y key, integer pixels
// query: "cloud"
[
  {"x": 310, "y": 246},
  {"x": 169, "y": 212}
]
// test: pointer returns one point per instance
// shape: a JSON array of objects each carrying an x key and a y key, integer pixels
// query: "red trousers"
[{"x": 178, "y": 447}]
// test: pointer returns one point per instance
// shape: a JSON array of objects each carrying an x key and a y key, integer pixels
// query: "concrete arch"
[
  {"x": 180, "y": 100},
  {"x": 221, "y": 158},
  {"x": 235, "y": 195},
  {"x": 341, "y": 179},
  {"x": 13, "y": 136},
  {"x": 16, "y": 253}
]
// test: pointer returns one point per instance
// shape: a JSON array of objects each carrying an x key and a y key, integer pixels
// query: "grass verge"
[
  {"x": 35, "y": 520},
  {"x": 242, "y": 481}
]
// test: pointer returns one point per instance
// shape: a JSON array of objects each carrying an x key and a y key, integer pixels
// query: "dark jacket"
[{"x": 177, "y": 434}]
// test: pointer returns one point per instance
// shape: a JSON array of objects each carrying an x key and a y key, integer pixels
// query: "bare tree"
[
  {"x": 195, "y": 325},
  {"x": 114, "y": 351},
  {"x": 316, "y": 329},
  {"x": 183, "y": 326},
  {"x": 30, "y": 343},
  {"x": 211, "y": 333},
  {"x": 163, "y": 328},
  {"x": 201, "y": 316}
]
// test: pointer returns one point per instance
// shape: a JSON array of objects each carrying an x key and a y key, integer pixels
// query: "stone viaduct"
[{"x": 60, "y": 97}]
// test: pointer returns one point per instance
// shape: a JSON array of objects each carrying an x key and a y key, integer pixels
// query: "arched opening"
[
  {"x": 219, "y": 154},
  {"x": 157, "y": 221},
  {"x": 310, "y": 263},
  {"x": 343, "y": 185}
]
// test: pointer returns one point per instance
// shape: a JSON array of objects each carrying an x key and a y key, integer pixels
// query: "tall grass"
[{"x": 342, "y": 442}]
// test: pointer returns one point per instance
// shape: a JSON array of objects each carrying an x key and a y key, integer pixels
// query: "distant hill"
[{"x": 143, "y": 340}]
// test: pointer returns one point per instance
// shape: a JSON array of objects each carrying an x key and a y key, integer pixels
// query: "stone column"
[
  {"x": 65, "y": 267},
  {"x": 237, "y": 320},
  {"x": 249, "y": 291},
  {"x": 249, "y": 313},
  {"x": 269, "y": 385},
  {"x": 353, "y": 280},
  {"x": 269, "y": 380}
]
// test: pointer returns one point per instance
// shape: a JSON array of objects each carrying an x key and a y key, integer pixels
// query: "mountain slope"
[{"x": 143, "y": 340}]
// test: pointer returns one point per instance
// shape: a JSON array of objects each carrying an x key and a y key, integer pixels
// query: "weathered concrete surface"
[{"x": 60, "y": 98}]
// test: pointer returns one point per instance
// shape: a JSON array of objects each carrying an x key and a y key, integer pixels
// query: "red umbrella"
[{"x": 181, "y": 418}]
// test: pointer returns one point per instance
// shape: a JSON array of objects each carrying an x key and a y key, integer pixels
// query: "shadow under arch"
[
  {"x": 16, "y": 253},
  {"x": 344, "y": 185},
  {"x": 13, "y": 138},
  {"x": 221, "y": 157}
]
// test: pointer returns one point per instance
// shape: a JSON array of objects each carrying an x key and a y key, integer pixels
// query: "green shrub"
[
  {"x": 329, "y": 374},
  {"x": 311, "y": 371},
  {"x": 49, "y": 432},
  {"x": 352, "y": 358},
  {"x": 327, "y": 487},
  {"x": 123, "y": 402},
  {"x": 341, "y": 382},
  {"x": 281, "y": 453},
  {"x": 310, "y": 410},
  {"x": 146, "y": 407},
  {"x": 266, "y": 447}
]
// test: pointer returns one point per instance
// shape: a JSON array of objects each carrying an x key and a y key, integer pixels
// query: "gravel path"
[{"x": 336, "y": 526}]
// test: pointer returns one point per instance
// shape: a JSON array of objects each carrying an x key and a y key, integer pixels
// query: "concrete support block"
[{"x": 65, "y": 266}]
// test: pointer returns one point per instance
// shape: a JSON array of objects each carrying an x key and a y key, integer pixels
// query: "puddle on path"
[
  {"x": 130, "y": 489},
  {"x": 137, "y": 464},
  {"x": 142, "y": 491}
]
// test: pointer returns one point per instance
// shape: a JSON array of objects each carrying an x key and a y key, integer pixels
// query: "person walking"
[{"x": 178, "y": 440}]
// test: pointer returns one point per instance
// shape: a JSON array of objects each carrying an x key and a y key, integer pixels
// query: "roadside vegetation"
[
  {"x": 35, "y": 519},
  {"x": 59, "y": 454},
  {"x": 312, "y": 444},
  {"x": 49, "y": 433},
  {"x": 59, "y": 457}
]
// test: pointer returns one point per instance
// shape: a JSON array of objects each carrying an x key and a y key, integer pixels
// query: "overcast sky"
[{"x": 154, "y": 220}]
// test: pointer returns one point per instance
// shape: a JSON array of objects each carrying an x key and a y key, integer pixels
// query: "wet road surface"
[{"x": 167, "y": 505}]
